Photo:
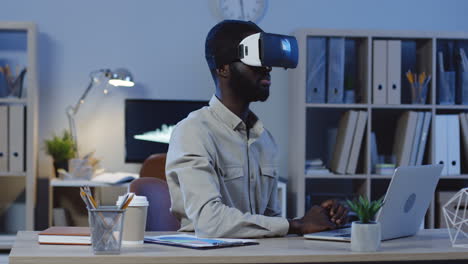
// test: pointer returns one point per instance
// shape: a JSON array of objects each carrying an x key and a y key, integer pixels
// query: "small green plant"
[
  {"x": 61, "y": 148},
  {"x": 364, "y": 209}
]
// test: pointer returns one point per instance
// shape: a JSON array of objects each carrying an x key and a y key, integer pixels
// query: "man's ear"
[{"x": 223, "y": 71}]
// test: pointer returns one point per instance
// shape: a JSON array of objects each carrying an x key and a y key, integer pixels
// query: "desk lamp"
[{"x": 118, "y": 77}]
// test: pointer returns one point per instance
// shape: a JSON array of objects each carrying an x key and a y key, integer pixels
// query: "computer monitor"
[{"x": 149, "y": 123}]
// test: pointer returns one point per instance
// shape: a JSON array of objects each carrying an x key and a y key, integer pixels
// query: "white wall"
[{"x": 162, "y": 43}]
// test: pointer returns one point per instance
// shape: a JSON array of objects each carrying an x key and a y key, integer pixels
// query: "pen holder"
[
  {"x": 106, "y": 229},
  {"x": 446, "y": 88}
]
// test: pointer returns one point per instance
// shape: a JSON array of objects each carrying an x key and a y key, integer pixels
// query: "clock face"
[{"x": 246, "y": 10}]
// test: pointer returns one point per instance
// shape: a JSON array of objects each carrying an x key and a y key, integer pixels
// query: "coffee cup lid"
[{"x": 136, "y": 201}]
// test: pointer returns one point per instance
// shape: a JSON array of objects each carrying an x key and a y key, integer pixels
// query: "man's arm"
[{"x": 190, "y": 164}]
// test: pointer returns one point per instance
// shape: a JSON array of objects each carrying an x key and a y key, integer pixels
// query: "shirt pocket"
[
  {"x": 233, "y": 181},
  {"x": 268, "y": 179}
]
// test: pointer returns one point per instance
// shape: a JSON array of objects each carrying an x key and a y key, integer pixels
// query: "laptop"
[{"x": 405, "y": 204}]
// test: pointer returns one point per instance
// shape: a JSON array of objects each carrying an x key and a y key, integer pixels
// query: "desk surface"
[{"x": 427, "y": 245}]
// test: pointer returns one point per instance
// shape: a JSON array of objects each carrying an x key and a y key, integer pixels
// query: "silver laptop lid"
[{"x": 407, "y": 199}]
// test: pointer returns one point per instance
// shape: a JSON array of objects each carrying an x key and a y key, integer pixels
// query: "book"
[
  {"x": 191, "y": 241},
  {"x": 65, "y": 235}
]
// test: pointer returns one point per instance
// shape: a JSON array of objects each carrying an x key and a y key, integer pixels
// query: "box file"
[
  {"x": 357, "y": 140},
  {"x": 404, "y": 137},
  {"x": 417, "y": 137},
  {"x": 423, "y": 139},
  {"x": 440, "y": 146},
  {"x": 3, "y": 138},
  {"x": 393, "y": 72},
  {"x": 343, "y": 143},
  {"x": 16, "y": 126},
  {"x": 453, "y": 144},
  {"x": 316, "y": 70},
  {"x": 379, "y": 72},
  {"x": 336, "y": 62}
]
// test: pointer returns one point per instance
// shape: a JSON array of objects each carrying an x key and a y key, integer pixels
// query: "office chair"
[
  {"x": 154, "y": 166},
  {"x": 157, "y": 192}
]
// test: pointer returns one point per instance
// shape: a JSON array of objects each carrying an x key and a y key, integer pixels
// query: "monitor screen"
[{"x": 149, "y": 123}]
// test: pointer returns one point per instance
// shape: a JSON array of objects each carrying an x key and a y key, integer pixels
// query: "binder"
[
  {"x": 16, "y": 137},
  {"x": 3, "y": 138},
  {"x": 417, "y": 138},
  {"x": 316, "y": 62},
  {"x": 343, "y": 143},
  {"x": 440, "y": 146},
  {"x": 394, "y": 72},
  {"x": 423, "y": 139},
  {"x": 357, "y": 142},
  {"x": 453, "y": 144},
  {"x": 379, "y": 72},
  {"x": 404, "y": 137},
  {"x": 336, "y": 62},
  {"x": 464, "y": 135}
]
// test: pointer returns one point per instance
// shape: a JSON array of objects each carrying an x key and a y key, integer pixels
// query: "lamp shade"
[{"x": 121, "y": 77}]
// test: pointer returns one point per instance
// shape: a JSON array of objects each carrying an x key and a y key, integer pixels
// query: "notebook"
[
  {"x": 405, "y": 204},
  {"x": 65, "y": 235},
  {"x": 190, "y": 241}
]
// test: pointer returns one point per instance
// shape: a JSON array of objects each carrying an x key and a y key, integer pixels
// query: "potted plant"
[
  {"x": 365, "y": 233},
  {"x": 61, "y": 148}
]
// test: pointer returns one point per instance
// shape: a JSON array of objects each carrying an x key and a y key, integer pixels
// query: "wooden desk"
[{"x": 428, "y": 245}]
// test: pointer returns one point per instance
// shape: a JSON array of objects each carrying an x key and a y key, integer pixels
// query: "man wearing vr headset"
[{"x": 222, "y": 163}]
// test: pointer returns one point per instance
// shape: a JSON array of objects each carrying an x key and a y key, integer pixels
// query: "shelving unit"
[
  {"x": 18, "y": 46},
  {"x": 310, "y": 123}
]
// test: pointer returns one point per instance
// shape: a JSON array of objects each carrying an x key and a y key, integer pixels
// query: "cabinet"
[
  {"x": 18, "y": 130},
  {"x": 372, "y": 67}
]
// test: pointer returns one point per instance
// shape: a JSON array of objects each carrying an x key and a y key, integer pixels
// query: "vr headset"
[{"x": 269, "y": 50}]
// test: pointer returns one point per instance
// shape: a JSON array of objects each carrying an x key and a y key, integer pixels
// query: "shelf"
[
  {"x": 12, "y": 174},
  {"x": 346, "y": 106},
  {"x": 336, "y": 176},
  {"x": 7, "y": 241},
  {"x": 401, "y": 106},
  {"x": 13, "y": 100},
  {"x": 455, "y": 177},
  {"x": 377, "y": 176},
  {"x": 449, "y": 107}
]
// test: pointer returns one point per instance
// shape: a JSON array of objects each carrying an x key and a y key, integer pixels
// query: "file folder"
[
  {"x": 440, "y": 146},
  {"x": 16, "y": 126},
  {"x": 404, "y": 137},
  {"x": 336, "y": 63},
  {"x": 423, "y": 139},
  {"x": 379, "y": 72},
  {"x": 453, "y": 144},
  {"x": 343, "y": 143},
  {"x": 3, "y": 138},
  {"x": 394, "y": 72},
  {"x": 464, "y": 136},
  {"x": 316, "y": 71},
  {"x": 417, "y": 138},
  {"x": 357, "y": 142}
]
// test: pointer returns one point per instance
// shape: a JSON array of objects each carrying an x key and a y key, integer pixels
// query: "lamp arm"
[{"x": 71, "y": 111}]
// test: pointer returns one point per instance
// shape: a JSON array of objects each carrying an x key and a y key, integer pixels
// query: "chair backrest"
[
  {"x": 157, "y": 192},
  {"x": 154, "y": 166}
]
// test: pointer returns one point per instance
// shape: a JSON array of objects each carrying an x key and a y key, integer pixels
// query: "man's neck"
[{"x": 235, "y": 105}]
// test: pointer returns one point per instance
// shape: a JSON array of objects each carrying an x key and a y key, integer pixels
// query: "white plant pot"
[{"x": 365, "y": 237}]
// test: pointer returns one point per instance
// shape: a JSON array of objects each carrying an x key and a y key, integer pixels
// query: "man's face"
[{"x": 250, "y": 83}]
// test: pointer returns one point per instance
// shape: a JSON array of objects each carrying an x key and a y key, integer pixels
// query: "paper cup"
[{"x": 135, "y": 220}]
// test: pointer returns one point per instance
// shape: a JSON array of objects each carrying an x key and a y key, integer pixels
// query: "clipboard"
[{"x": 191, "y": 241}]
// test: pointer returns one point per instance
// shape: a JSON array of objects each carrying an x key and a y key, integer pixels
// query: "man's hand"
[
  {"x": 338, "y": 214},
  {"x": 315, "y": 220}
]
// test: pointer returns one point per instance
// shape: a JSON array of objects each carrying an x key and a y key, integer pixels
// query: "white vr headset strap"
[{"x": 251, "y": 50}]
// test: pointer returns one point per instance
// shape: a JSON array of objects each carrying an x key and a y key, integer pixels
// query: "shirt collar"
[{"x": 231, "y": 119}]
